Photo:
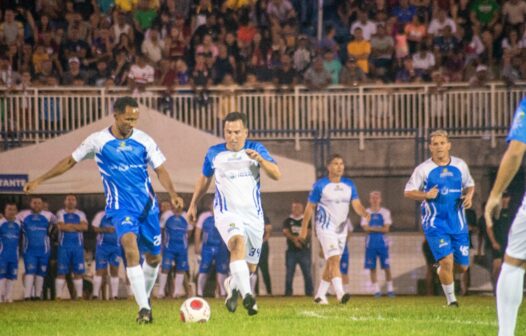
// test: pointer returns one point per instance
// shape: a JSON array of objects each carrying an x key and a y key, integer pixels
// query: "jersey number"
[
  {"x": 157, "y": 240},
  {"x": 464, "y": 250},
  {"x": 254, "y": 252}
]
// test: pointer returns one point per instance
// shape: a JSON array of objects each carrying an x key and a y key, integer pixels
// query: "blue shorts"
[
  {"x": 8, "y": 268},
  {"x": 374, "y": 253},
  {"x": 443, "y": 244},
  {"x": 36, "y": 263},
  {"x": 218, "y": 255},
  {"x": 70, "y": 258},
  {"x": 147, "y": 231},
  {"x": 106, "y": 254},
  {"x": 180, "y": 257},
  {"x": 344, "y": 261}
]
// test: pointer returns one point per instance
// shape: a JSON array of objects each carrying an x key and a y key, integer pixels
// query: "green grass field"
[{"x": 277, "y": 317}]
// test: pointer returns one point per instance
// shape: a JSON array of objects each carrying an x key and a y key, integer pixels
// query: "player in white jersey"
[
  {"x": 123, "y": 154},
  {"x": 511, "y": 279},
  {"x": 330, "y": 200},
  {"x": 238, "y": 214}
]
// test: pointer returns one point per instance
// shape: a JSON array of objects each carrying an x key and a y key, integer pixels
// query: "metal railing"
[{"x": 360, "y": 112}]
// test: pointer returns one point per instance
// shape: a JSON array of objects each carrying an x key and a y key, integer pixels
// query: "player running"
[
  {"x": 238, "y": 213},
  {"x": 123, "y": 154},
  {"x": 329, "y": 200},
  {"x": 10, "y": 231},
  {"x": 445, "y": 187}
]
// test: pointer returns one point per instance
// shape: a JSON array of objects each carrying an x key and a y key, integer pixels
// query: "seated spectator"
[
  {"x": 47, "y": 69},
  {"x": 332, "y": 65},
  {"x": 446, "y": 42},
  {"x": 183, "y": 77},
  {"x": 119, "y": 27},
  {"x": 437, "y": 25},
  {"x": 328, "y": 42},
  {"x": 512, "y": 45},
  {"x": 511, "y": 69},
  {"x": 72, "y": 44},
  {"x": 423, "y": 62},
  {"x": 141, "y": 74},
  {"x": 74, "y": 76},
  {"x": 368, "y": 27},
  {"x": 101, "y": 74},
  {"x": 415, "y": 32},
  {"x": 223, "y": 64},
  {"x": 120, "y": 68},
  {"x": 316, "y": 77},
  {"x": 406, "y": 73},
  {"x": 302, "y": 56},
  {"x": 125, "y": 44},
  {"x": 481, "y": 76},
  {"x": 8, "y": 77},
  {"x": 514, "y": 12},
  {"x": 280, "y": 11},
  {"x": 152, "y": 47},
  {"x": 351, "y": 74},
  {"x": 454, "y": 65},
  {"x": 382, "y": 47},
  {"x": 484, "y": 12},
  {"x": 360, "y": 49},
  {"x": 404, "y": 12},
  {"x": 39, "y": 55},
  {"x": 285, "y": 75},
  {"x": 207, "y": 47},
  {"x": 11, "y": 30},
  {"x": 144, "y": 16},
  {"x": 166, "y": 74},
  {"x": 201, "y": 79}
]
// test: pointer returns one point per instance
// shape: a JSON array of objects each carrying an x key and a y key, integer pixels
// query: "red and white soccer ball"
[{"x": 195, "y": 309}]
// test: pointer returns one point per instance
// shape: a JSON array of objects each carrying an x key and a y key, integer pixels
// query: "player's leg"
[
  {"x": 370, "y": 264},
  {"x": 11, "y": 276},
  {"x": 150, "y": 267},
  {"x": 114, "y": 276},
  {"x": 441, "y": 247},
  {"x": 344, "y": 269},
  {"x": 77, "y": 256},
  {"x": 41, "y": 272},
  {"x": 329, "y": 247},
  {"x": 181, "y": 267},
  {"x": 62, "y": 270},
  {"x": 3, "y": 279},
  {"x": 166, "y": 265},
  {"x": 386, "y": 266},
  {"x": 101, "y": 269},
  {"x": 30, "y": 265},
  {"x": 222, "y": 260},
  {"x": 204, "y": 269},
  {"x": 150, "y": 239},
  {"x": 263, "y": 265}
]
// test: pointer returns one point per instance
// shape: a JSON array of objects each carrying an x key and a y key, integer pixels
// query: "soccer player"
[
  {"x": 175, "y": 249},
  {"x": 108, "y": 251},
  {"x": 511, "y": 278},
  {"x": 445, "y": 187},
  {"x": 330, "y": 199},
  {"x": 10, "y": 231},
  {"x": 71, "y": 223},
  {"x": 36, "y": 224},
  {"x": 123, "y": 154},
  {"x": 376, "y": 244},
  {"x": 212, "y": 250},
  {"x": 238, "y": 213}
]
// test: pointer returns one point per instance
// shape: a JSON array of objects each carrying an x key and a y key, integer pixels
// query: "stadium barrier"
[{"x": 361, "y": 112}]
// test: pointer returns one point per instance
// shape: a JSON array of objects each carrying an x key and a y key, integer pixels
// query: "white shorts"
[
  {"x": 517, "y": 236},
  {"x": 332, "y": 243},
  {"x": 230, "y": 224}
]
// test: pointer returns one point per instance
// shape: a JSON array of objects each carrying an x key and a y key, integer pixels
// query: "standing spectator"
[
  {"x": 74, "y": 73},
  {"x": 351, "y": 74},
  {"x": 406, "y": 72},
  {"x": 298, "y": 252},
  {"x": 201, "y": 79},
  {"x": 415, "y": 32},
  {"x": 285, "y": 75},
  {"x": 280, "y": 11},
  {"x": 423, "y": 62},
  {"x": 120, "y": 68},
  {"x": 175, "y": 43},
  {"x": 153, "y": 47},
  {"x": 11, "y": 30},
  {"x": 329, "y": 41},
  {"x": 208, "y": 47},
  {"x": 302, "y": 56},
  {"x": 360, "y": 49},
  {"x": 10, "y": 232},
  {"x": 101, "y": 74},
  {"x": 382, "y": 47},
  {"x": 143, "y": 17},
  {"x": 317, "y": 78},
  {"x": 484, "y": 12},
  {"x": 120, "y": 26},
  {"x": 141, "y": 74},
  {"x": 368, "y": 27},
  {"x": 223, "y": 64},
  {"x": 332, "y": 65},
  {"x": 437, "y": 25},
  {"x": 404, "y": 12},
  {"x": 514, "y": 13}
]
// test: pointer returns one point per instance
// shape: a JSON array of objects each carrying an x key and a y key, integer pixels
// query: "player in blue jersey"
[
  {"x": 123, "y": 154},
  {"x": 511, "y": 279},
  {"x": 211, "y": 250},
  {"x": 10, "y": 232},
  {"x": 174, "y": 250},
  {"x": 107, "y": 252},
  {"x": 236, "y": 166},
  {"x": 71, "y": 224},
  {"x": 36, "y": 224},
  {"x": 330, "y": 200},
  {"x": 376, "y": 243},
  {"x": 445, "y": 187}
]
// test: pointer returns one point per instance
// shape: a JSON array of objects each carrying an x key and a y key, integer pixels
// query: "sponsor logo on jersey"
[
  {"x": 442, "y": 243},
  {"x": 338, "y": 188},
  {"x": 517, "y": 122},
  {"x": 123, "y": 147},
  {"x": 446, "y": 173},
  {"x": 127, "y": 221}
]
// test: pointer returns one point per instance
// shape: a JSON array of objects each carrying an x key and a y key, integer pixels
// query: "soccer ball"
[{"x": 195, "y": 309}]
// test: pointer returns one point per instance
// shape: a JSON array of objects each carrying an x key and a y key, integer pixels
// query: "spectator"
[
  {"x": 102, "y": 73},
  {"x": 302, "y": 56},
  {"x": 351, "y": 74},
  {"x": 207, "y": 47},
  {"x": 141, "y": 74},
  {"x": 382, "y": 47},
  {"x": 328, "y": 42},
  {"x": 247, "y": 29},
  {"x": 120, "y": 26},
  {"x": 480, "y": 78},
  {"x": 401, "y": 43},
  {"x": 360, "y": 49},
  {"x": 74, "y": 73},
  {"x": 511, "y": 69},
  {"x": 143, "y": 17},
  {"x": 285, "y": 75},
  {"x": 332, "y": 65},
  {"x": 120, "y": 68},
  {"x": 404, "y": 12},
  {"x": 39, "y": 55},
  {"x": 406, "y": 73},
  {"x": 514, "y": 13},
  {"x": 423, "y": 8},
  {"x": 368, "y": 27},
  {"x": 298, "y": 252},
  {"x": 8, "y": 77},
  {"x": 445, "y": 43},
  {"x": 316, "y": 77},
  {"x": 475, "y": 47},
  {"x": 280, "y": 11},
  {"x": 512, "y": 45},
  {"x": 72, "y": 44},
  {"x": 484, "y": 12},
  {"x": 83, "y": 27},
  {"x": 454, "y": 65},
  {"x": 183, "y": 77},
  {"x": 223, "y": 64},
  {"x": 437, "y": 25},
  {"x": 415, "y": 32},
  {"x": 11, "y": 30},
  {"x": 201, "y": 79},
  {"x": 125, "y": 45},
  {"x": 47, "y": 69},
  {"x": 152, "y": 47},
  {"x": 423, "y": 62}
]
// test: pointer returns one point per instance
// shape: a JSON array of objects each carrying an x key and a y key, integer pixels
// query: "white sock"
[
  {"x": 59, "y": 285},
  {"x": 28, "y": 285},
  {"x": 9, "y": 290},
  {"x": 338, "y": 287},
  {"x": 114, "y": 287},
  {"x": 3, "y": 291},
  {"x": 150, "y": 275},
  {"x": 253, "y": 280},
  {"x": 163, "y": 277},
  {"x": 137, "y": 284},
  {"x": 323, "y": 288},
  {"x": 375, "y": 287},
  {"x": 449, "y": 290},
  {"x": 390, "y": 287},
  {"x": 221, "y": 282},
  {"x": 97, "y": 281},
  {"x": 201, "y": 282},
  {"x": 346, "y": 288},
  {"x": 39, "y": 285},
  {"x": 241, "y": 275},
  {"x": 78, "y": 287},
  {"x": 179, "y": 284},
  {"x": 509, "y": 297}
]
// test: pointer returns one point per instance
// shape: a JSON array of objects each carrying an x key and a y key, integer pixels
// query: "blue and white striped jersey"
[
  {"x": 35, "y": 228},
  {"x": 175, "y": 231},
  {"x": 379, "y": 218},
  {"x": 104, "y": 239},
  {"x": 71, "y": 239},
  {"x": 518, "y": 128},
  {"x": 9, "y": 238}
]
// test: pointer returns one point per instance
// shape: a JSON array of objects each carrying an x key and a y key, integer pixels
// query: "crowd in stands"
[{"x": 201, "y": 43}]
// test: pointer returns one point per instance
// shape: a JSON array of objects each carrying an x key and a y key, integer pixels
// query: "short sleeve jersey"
[
  {"x": 35, "y": 227},
  {"x": 175, "y": 231},
  {"x": 104, "y": 239},
  {"x": 71, "y": 239}
]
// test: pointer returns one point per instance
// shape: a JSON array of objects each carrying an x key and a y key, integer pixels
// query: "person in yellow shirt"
[
  {"x": 360, "y": 49},
  {"x": 126, "y": 5}
]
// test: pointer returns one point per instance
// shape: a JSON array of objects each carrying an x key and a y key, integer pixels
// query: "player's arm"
[
  {"x": 270, "y": 168},
  {"x": 65, "y": 227},
  {"x": 491, "y": 235},
  {"x": 81, "y": 227},
  {"x": 197, "y": 240},
  {"x": 417, "y": 195},
  {"x": 509, "y": 166},
  {"x": 60, "y": 168},
  {"x": 467, "y": 197},
  {"x": 202, "y": 185},
  {"x": 360, "y": 209},
  {"x": 380, "y": 229},
  {"x": 166, "y": 182},
  {"x": 310, "y": 208}
]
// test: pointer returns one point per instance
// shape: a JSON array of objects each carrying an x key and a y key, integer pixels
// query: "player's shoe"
[
  {"x": 346, "y": 297},
  {"x": 321, "y": 300},
  {"x": 377, "y": 294},
  {"x": 391, "y": 294},
  {"x": 249, "y": 302},
  {"x": 144, "y": 316},
  {"x": 453, "y": 304},
  {"x": 232, "y": 295}
]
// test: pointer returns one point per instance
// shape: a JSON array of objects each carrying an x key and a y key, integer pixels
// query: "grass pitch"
[{"x": 278, "y": 316}]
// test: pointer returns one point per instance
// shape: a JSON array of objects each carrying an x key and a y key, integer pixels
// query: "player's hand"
[
  {"x": 254, "y": 155},
  {"x": 496, "y": 246},
  {"x": 367, "y": 217},
  {"x": 177, "y": 201},
  {"x": 492, "y": 208},
  {"x": 198, "y": 257},
  {"x": 31, "y": 186},
  {"x": 433, "y": 193},
  {"x": 467, "y": 200},
  {"x": 191, "y": 214}
]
